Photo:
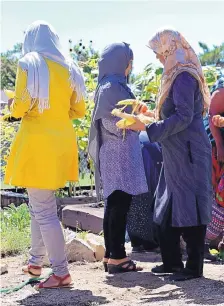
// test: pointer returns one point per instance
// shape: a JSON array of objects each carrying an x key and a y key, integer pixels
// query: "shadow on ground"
[
  {"x": 62, "y": 297},
  {"x": 202, "y": 291}
]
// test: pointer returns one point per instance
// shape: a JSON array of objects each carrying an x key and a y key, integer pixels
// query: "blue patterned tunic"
[{"x": 121, "y": 163}]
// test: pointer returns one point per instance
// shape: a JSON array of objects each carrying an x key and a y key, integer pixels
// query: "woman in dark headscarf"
[{"x": 117, "y": 160}]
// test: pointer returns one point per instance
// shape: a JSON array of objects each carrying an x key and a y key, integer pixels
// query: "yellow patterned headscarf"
[{"x": 179, "y": 56}]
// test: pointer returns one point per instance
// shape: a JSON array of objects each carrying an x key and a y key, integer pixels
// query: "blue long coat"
[{"x": 185, "y": 187}]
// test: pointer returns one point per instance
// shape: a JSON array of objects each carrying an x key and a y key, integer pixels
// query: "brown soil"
[{"x": 92, "y": 287}]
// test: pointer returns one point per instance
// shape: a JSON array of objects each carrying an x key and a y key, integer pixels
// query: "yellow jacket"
[{"x": 44, "y": 153}]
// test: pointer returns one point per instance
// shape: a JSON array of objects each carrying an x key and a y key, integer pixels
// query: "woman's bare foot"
[{"x": 32, "y": 270}]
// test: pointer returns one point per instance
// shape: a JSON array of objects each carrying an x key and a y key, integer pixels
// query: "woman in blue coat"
[{"x": 184, "y": 194}]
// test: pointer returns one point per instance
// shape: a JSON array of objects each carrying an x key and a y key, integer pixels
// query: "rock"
[
  {"x": 97, "y": 244},
  {"x": 79, "y": 250},
  {"x": 4, "y": 268},
  {"x": 76, "y": 250}
]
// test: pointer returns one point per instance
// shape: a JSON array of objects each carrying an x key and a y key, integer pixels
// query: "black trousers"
[
  {"x": 170, "y": 247},
  {"x": 137, "y": 242},
  {"x": 114, "y": 224}
]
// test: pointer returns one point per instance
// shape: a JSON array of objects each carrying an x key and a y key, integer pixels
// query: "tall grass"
[{"x": 14, "y": 229}]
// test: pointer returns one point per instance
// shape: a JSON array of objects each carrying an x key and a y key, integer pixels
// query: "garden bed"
[
  {"x": 10, "y": 196},
  {"x": 19, "y": 196}
]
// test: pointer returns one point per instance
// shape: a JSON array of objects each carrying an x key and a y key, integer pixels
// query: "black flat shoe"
[{"x": 161, "y": 271}]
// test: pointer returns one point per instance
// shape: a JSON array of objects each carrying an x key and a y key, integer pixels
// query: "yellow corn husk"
[
  {"x": 123, "y": 123},
  {"x": 9, "y": 93},
  {"x": 129, "y": 119},
  {"x": 127, "y": 102},
  {"x": 118, "y": 113}
]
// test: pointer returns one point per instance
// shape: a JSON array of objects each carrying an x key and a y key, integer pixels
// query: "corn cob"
[
  {"x": 129, "y": 119},
  {"x": 123, "y": 123},
  {"x": 127, "y": 102},
  {"x": 118, "y": 113}
]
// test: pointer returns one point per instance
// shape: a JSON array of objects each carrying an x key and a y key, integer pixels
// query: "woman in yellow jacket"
[{"x": 44, "y": 155}]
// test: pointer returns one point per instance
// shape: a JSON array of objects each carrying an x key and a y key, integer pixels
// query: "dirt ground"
[{"x": 92, "y": 287}]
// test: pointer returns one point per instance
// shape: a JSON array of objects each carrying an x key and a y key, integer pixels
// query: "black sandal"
[{"x": 114, "y": 269}]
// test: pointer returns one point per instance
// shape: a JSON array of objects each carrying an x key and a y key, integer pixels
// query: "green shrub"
[{"x": 15, "y": 229}]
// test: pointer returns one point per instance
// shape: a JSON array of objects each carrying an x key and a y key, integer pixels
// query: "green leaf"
[
  {"x": 76, "y": 122},
  {"x": 159, "y": 71}
]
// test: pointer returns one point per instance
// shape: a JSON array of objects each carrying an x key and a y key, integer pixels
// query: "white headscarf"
[{"x": 41, "y": 41}]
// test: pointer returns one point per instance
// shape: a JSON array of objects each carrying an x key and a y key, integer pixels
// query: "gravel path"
[{"x": 93, "y": 287}]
